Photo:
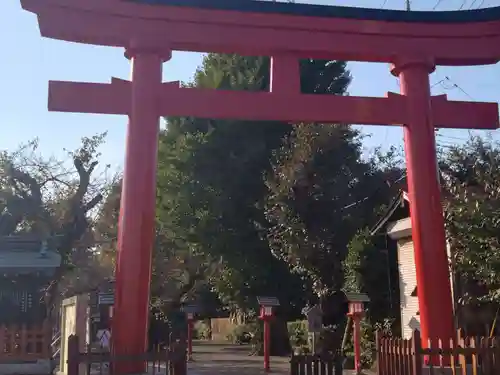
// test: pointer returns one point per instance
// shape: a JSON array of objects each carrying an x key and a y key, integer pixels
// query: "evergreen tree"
[
  {"x": 322, "y": 192},
  {"x": 471, "y": 181},
  {"x": 211, "y": 185}
]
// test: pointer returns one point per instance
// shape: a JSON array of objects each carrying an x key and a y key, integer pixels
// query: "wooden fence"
[
  {"x": 25, "y": 343},
  {"x": 171, "y": 361},
  {"x": 315, "y": 365},
  {"x": 464, "y": 356}
]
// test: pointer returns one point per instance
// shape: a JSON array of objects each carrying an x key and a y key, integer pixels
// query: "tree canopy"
[
  {"x": 471, "y": 177},
  {"x": 56, "y": 199}
]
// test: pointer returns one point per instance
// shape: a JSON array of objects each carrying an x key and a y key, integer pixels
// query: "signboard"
[
  {"x": 314, "y": 317},
  {"x": 268, "y": 301},
  {"x": 104, "y": 337},
  {"x": 95, "y": 317},
  {"x": 190, "y": 308},
  {"x": 106, "y": 298}
]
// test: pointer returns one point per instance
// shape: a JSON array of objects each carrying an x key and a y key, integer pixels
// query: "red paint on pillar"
[
  {"x": 357, "y": 343},
  {"x": 137, "y": 214},
  {"x": 267, "y": 345},
  {"x": 190, "y": 339},
  {"x": 428, "y": 233}
]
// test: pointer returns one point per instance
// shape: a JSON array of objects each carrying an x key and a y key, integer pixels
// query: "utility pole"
[{"x": 408, "y": 5}]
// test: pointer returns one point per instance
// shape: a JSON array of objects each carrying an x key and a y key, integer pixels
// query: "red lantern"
[
  {"x": 356, "y": 308},
  {"x": 266, "y": 312}
]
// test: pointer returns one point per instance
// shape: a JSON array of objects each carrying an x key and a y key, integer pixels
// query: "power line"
[
  {"x": 401, "y": 178},
  {"x": 383, "y": 4},
  {"x": 437, "y": 4},
  {"x": 480, "y": 4}
]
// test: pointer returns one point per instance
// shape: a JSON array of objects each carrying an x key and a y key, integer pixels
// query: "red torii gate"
[{"x": 413, "y": 42}]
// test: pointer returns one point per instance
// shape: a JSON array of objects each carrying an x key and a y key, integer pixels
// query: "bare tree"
[{"x": 55, "y": 200}]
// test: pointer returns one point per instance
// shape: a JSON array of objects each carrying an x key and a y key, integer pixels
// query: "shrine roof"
[
  {"x": 314, "y": 10},
  {"x": 27, "y": 254},
  {"x": 398, "y": 208}
]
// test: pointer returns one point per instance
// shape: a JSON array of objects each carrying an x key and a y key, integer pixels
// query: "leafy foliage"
[
  {"x": 50, "y": 198},
  {"x": 211, "y": 182},
  {"x": 298, "y": 333},
  {"x": 471, "y": 176},
  {"x": 321, "y": 193},
  {"x": 372, "y": 268}
]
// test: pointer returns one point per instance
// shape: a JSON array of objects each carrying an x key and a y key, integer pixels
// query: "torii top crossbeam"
[
  {"x": 235, "y": 26},
  {"x": 325, "y": 32}
]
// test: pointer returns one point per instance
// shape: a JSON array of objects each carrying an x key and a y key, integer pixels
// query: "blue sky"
[{"x": 28, "y": 62}]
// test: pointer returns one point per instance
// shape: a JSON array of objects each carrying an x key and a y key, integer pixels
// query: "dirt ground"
[{"x": 211, "y": 358}]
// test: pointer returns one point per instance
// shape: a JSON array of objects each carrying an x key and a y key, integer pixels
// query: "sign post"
[
  {"x": 356, "y": 312},
  {"x": 190, "y": 311},
  {"x": 266, "y": 314},
  {"x": 314, "y": 317}
]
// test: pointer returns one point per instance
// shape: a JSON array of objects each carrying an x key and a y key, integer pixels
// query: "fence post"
[
  {"x": 294, "y": 365},
  {"x": 378, "y": 358},
  {"x": 416, "y": 352},
  {"x": 73, "y": 354},
  {"x": 338, "y": 364},
  {"x": 178, "y": 359}
]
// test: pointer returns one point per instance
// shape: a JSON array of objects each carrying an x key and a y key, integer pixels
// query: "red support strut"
[
  {"x": 431, "y": 259},
  {"x": 137, "y": 214},
  {"x": 267, "y": 344},
  {"x": 190, "y": 339},
  {"x": 356, "y": 319}
]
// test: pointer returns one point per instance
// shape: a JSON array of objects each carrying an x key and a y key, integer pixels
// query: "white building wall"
[
  {"x": 401, "y": 232},
  {"x": 407, "y": 283}
]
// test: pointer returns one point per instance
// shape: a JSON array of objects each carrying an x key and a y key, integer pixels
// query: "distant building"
[
  {"x": 27, "y": 266},
  {"x": 396, "y": 224}
]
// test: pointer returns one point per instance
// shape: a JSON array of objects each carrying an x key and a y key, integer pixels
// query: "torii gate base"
[{"x": 414, "y": 42}]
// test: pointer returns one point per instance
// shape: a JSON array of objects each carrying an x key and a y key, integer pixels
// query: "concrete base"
[{"x": 36, "y": 367}]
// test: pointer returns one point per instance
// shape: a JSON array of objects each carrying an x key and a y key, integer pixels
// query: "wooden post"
[
  {"x": 178, "y": 357},
  {"x": 47, "y": 337},
  {"x": 378, "y": 346},
  {"x": 73, "y": 355},
  {"x": 189, "y": 339},
  {"x": 24, "y": 341},
  {"x": 416, "y": 347},
  {"x": 294, "y": 365},
  {"x": 267, "y": 344},
  {"x": 3, "y": 342},
  {"x": 338, "y": 364}
]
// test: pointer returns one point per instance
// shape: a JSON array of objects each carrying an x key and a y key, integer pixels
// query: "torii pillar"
[
  {"x": 137, "y": 208},
  {"x": 428, "y": 231}
]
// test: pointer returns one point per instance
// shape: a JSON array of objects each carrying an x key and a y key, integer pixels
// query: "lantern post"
[
  {"x": 356, "y": 312},
  {"x": 190, "y": 311},
  {"x": 267, "y": 314}
]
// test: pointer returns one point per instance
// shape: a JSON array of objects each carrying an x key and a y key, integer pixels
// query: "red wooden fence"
[{"x": 470, "y": 355}]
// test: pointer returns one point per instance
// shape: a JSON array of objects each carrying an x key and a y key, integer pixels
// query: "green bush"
[
  {"x": 298, "y": 334},
  {"x": 201, "y": 330},
  {"x": 245, "y": 333},
  {"x": 368, "y": 349}
]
